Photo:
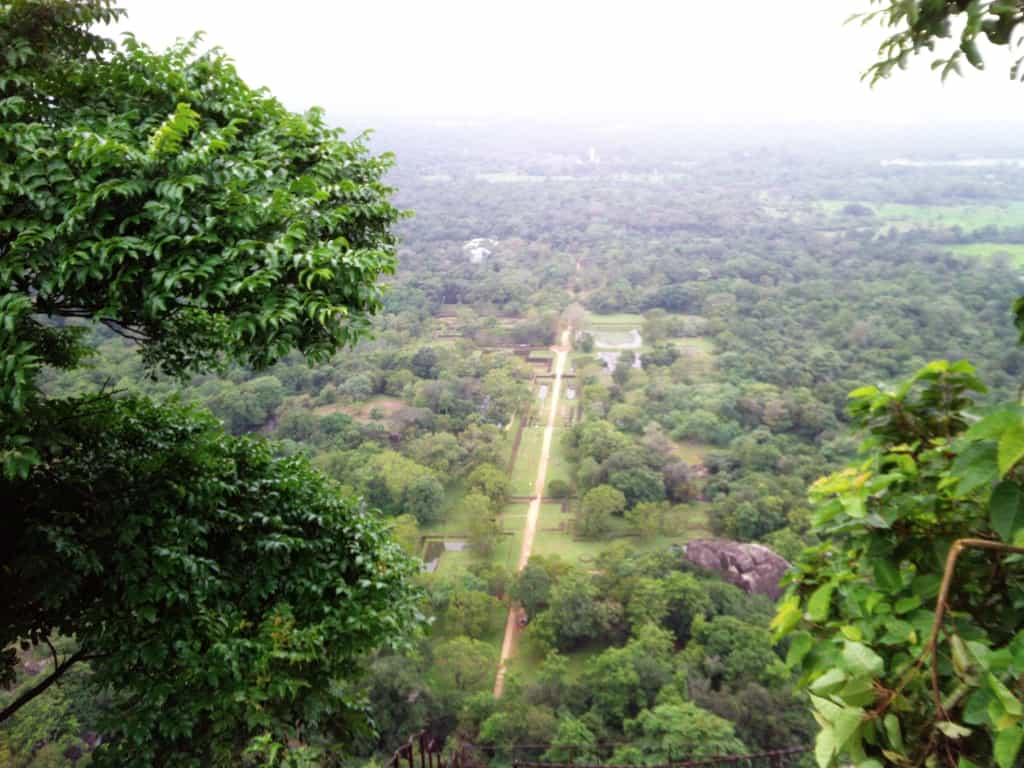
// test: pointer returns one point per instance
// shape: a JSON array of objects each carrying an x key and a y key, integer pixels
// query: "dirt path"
[{"x": 512, "y": 628}]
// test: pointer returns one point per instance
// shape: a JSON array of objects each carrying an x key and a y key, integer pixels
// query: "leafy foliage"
[
  {"x": 920, "y": 24},
  {"x": 227, "y": 595},
  {"x": 212, "y": 615},
  {"x": 892, "y": 679},
  {"x": 158, "y": 194}
]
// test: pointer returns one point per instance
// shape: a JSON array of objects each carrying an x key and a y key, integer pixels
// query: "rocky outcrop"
[{"x": 751, "y": 567}]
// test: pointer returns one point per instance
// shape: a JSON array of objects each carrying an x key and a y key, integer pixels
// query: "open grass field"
[
  {"x": 382, "y": 404},
  {"x": 554, "y": 536},
  {"x": 1013, "y": 251},
  {"x": 558, "y": 466},
  {"x": 968, "y": 217},
  {"x": 691, "y": 451},
  {"x": 696, "y": 345},
  {"x": 620, "y": 320},
  {"x": 524, "y": 473},
  {"x": 506, "y": 553},
  {"x": 525, "y": 666},
  {"x": 613, "y": 338},
  {"x": 510, "y": 439}
]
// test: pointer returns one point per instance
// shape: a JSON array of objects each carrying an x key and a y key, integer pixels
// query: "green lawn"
[
  {"x": 525, "y": 666},
  {"x": 539, "y": 409},
  {"x": 692, "y": 524},
  {"x": 507, "y": 551},
  {"x": 696, "y": 344},
  {"x": 692, "y": 451},
  {"x": 524, "y": 473},
  {"x": 558, "y": 466},
  {"x": 968, "y": 217},
  {"x": 451, "y": 521},
  {"x": 452, "y": 561},
  {"x": 594, "y": 320},
  {"x": 510, "y": 440},
  {"x": 613, "y": 337},
  {"x": 1014, "y": 251}
]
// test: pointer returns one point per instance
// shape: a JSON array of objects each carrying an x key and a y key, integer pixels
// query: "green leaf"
[
  {"x": 1011, "y": 448},
  {"x": 861, "y": 660},
  {"x": 952, "y": 730},
  {"x": 1004, "y": 508},
  {"x": 819, "y": 603},
  {"x": 799, "y": 647},
  {"x": 787, "y": 617},
  {"x": 976, "y": 467},
  {"x": 825, "y": 747},
  {"x": 846, "y": 726},
  {"x": 993, "y": 424},
  {"x": 1006, "y": 746},
  {"x": 1010, "y": 702},
  {"x": 829, "y": 682},
  {"x": 893, "y": 731},
  {"x": 906, "y": 604},
  {"x": 887, "y": 576},
  {"x": 961, "y": 656}
]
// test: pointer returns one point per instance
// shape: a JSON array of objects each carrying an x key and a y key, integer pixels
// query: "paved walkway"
[{"x": 512, "y": 628}]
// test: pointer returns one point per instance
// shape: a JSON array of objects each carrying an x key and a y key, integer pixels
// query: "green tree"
[
  {"x": 573, "y": 609},
  {"x": 596, "y": 509},
  {"x": 463, "y": 666},
  {"x": 741, "y": 651},
  {"x": 225, "y": 617},
  {"x": 440, "y": 451},
  {"x": 559, "y": 489},
  {"x": 681, "y": 731},
  {"x": 223, "y": 592},
  {"x": 484, "y": 528},
  {"x": 470, "y": 613},
  {"x": 614, "y": 685},
  {"x": 491, "y": 482},
  {"x": 532, "y": 587},
  {"x": 687, "y": 599},
  {"x": 134, "y": 198},
  {"x": 892, "y": 619},
  {"x": 638, "y": 485},
  {"x": 648, "y": 602},
  {"x": 423, "y": 498},
  {"x": 648, "y": 517},
  {"x": 920, "y": 25},
  {"x": 425, "y": 363},
  {"x": 573, "y": 743}
]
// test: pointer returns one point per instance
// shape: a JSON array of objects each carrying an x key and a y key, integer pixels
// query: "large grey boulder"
[{"x": 751, "y": 567}]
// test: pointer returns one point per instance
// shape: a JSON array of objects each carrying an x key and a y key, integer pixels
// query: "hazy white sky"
[{"x": 706, "y": 59}]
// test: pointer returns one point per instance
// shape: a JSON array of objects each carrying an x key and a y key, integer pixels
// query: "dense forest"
[
  {"x": 598, "y": 346},
  {"x": 761, "y": 298}
]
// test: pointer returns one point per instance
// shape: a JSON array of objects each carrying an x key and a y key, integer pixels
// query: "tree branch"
[
  {"x": 940, "y": 604},
  {"x": 56, "y": 661},
  {"x": 30, "y": 694}
]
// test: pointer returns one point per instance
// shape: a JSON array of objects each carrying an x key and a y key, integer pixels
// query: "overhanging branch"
[{"x": 30, "y": 694}]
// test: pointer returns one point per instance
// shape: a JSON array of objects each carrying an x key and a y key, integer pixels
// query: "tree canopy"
[
  {"x": 158, "y": 194},
  {"x": 223, "y": 591},
  {"x": 921, "y": 25}
]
